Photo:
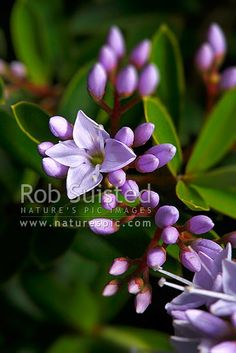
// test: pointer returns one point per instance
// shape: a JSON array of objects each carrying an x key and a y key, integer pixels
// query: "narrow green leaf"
[
  {"x": 221, "y": 178},
  {"x": 33, "y": 121},
  {"x": 190, "y": 197},
  {"x": 164, "y": 131},
  {"x": 217, "y": 136},
  {"x": 70, "y": 344},
  {"x": 166, "y": 55}
]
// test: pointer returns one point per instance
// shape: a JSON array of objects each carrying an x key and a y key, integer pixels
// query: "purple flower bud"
[
  {"x": 166, "y": 216},
  {"x": 119, "y": 266},
  {"x": 170, "y": 235},
  {"x": 103, "y": 226},
  {"x": 143, "y": 300},
  {"x": 111, "y": 288},
  {"x": 117, "y": 178},
  {"x": 224, "y": 347},
  {"x": 156, "y": 257},
  {"x": 230, "y": 238},
  {"x": 109, "y": 201},
  {"x": 228, "y": 78},
  {"x": 61, "y": 128},
  {"x": 146, "y": 163},
  {"x": 165, "y": 152},
  {"x": 216, "y": 39},
  {"x": 18, "y": 69},
  {"x": 206, "y": 246},
  {"x": 53, "y": 168},
  {"x": 199, "y": 224},
  {"x": 43, "y": 147},
  {"x": 116, "y": 41},
  {"x": 97, "y": 80},
  {"x": 204, "y": 57},
  {"x": 135, "y": 285},
  {"x": 143, "y": 133},
  {"x": 149, "y": 198},
  {"x": 140, "y": 54},
  {"x": 125, "y": 135},
  {"x": 130, "y": 190},
  {"x": 190, "y": 260},
  {"x": 107, "y": 58},
  {"x": 148, "y": 80},
  {"x": 126, "y": 82}
]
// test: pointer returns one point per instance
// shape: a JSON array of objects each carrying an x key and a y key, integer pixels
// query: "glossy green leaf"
[
  {"x": 217, "y": 136},
  {"x": 222, "y": 178},
  {"x": 70, "y": 344},
  {"x": 33, "y": 121},
  {"x": 166, "y": 55},
  {"x": 164, "y": 131},
  {"x": 190, "y": 197}
]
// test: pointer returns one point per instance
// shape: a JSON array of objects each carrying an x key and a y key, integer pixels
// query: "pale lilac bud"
[
  {"x": 119, "y": 266},
  {"x": 143, "y": 300},
  {"x": 170, "y": 235},
  {"x": 140, "y": 54},
  {"x": 148, "y": 80},
  {"x": 53, "y": 168},
  {"x": 116, "y": 41},
  {"x": 135, "y": 285},
  {"x": 107, "y": 58},
  {"x": 228, "y": 78},
  {"x": 204, "y": 57},
  {"x": 125, "y": 135},
  {"x": 111, "y": 288},
  {"x": 216, "y": 39},
  {"x": 117, "y": 178},
  {"x": 18, "y": 69},
  {"x": 149, "y": 198},
  {"x": 224, "y": 347},
  {"x": 126, "y": 82},
  {"x": 97, "y": 80},
  {"x": 43, "y": 147},
  {"x": 199, "y": 224},
  {"x": 61, "y": 128},
  {"x": 190, "y": 260},
  {"x": 103, "y": 226},
  {"x": 230, "y": 238},
  {"x": 146, "y": 163},
  {"x": 156, "y": 257},
  {"x": 143, "y": 133},
  {"x": 206, "y": 246},
  {"x": 130, "y": 190},
  {"x": 165, "y": 152},
  {"x": 108, "y": 201},
  {"x": 166, "y": 216}
]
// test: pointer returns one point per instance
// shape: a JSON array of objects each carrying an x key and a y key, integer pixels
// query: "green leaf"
[
  {"x": 190, "y": 197},
  {"x": 2, "y": 99},
  {"x": 166, "y": 55},
  {"x": 224, "y": 177},
  {"x": 33, "y": 121},
  {"x": 70, "y": 344},
  {"x": 217, "y": 136},
  {"x": 164, "y": 131}
]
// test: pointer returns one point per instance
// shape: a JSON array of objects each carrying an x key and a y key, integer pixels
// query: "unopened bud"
[
  {"x": 117, "y": 178},
  {"x": 126, "y": 82},
  {"x": 156, "y": 257},
  {"x": 107, "y": 58},
  {"x": 228, "y": 78},
  {"x": 135, "y": 285},
  {"x": 143, "y": 133},
  {"x": 166, "y": 216},
  {"x": 216, "y": 39},
  {"x": 229, "y": 238},
  {"x": 18, "y": 69},
  {"x": 165, "y": 152},
  {"x": 111, "y": 288},
  {"x": 125, "y": 135},
  {"x": 143, "y": 300},
  {"x": 116, "y": 41},
  {"x": 170, "y": 235},
  {"x": 61, "y": 128},
  {"x": 53, "y": 168},
  {"x": 199, "y": 224},
  {"x": 190, "y": 260},
  {"x": 140, "y": 54},
  {"x": 149, "y": 198},
  {"x": 43, "y": 147},
  {"x": 148, "y": 80},
  {"x": 146, "y": 163},
  {"x": 130, "y": 190},
  {"x": 103, "y": 226},
  {"x": 119, "y": 266},
  {"x": 97, "y": 80},
  {"x": 204, "y": 57},
  {"x": 108, "y": 201}
]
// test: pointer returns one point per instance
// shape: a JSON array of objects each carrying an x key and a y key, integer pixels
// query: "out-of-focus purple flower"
[
  {"x": 90, "y": 153},
  {"x": 117, "y": 178},
  {"x": 130, "y": 190},
  {"x": 97, "y": 80},
  {"x": 108, "y": 201},
  {"x": 111, "y": 288},
  {"x": 228, "y": 78},
  {"x": 135, "y": 285},
  {"x": 143, "y": 300},
  {"x": 146, "y": 163},
  {"x": 43, "y": 147},
  {"x": 125, "y": 135},
  {"x": 206, "y": 246},
  {"x": 61, "y": 128},
  {"x": 140, "y": 54},
  {"x": 224, "y": 347},
  {"x": 54, "y": 169},
  {"x": 103, "y": 226},
  {"x": 126, "y": 82},
  {"x": 204, "y": 57},
  {"x": 170, "y": 235},
  {"x": 190, "y": 260},
  {"x": 116, "y": 41},
  {"x": 143, "y": 133},
  {"x": 18, "y": 69},
  {"x": 164, "y": 152},
  {"x": 216, "y": 39},
  {"x": 156, "y": 257},
  {"x": 199, "y": 224},
  {"x": 149, "y": 198},
  {"x": 148, "y": 80},
  {"x": 119, "y": 266},
  {"x": 166, "y": 216},
  {"x": 107, "y": 58}
]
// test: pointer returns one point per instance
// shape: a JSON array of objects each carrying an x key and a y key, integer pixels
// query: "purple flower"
[
  {"x": 216, "y": 39},
  {"x": 230, "y": 238},
  {"x": 199, "y": 224},
  {"x": 164, "y": 152},
  {"x": 149, "y": 198},
  {"x": 54, "y": 169},
  {"x": 90, "y": 153},
  {"x": 166, "y": 216},
  {"x": 117, "y": 178},
  {"x": 204, "y": 57},
  {"x": 140, "y": 54},
  {"x": 190, "y": 260},
  {"x": 116, "y": 41},
  {"x": 143, "y": 300},
  {"x": 206, "y": 246},
  {"x": 135, "y": 285},
  {"x": 103, "y": 226},
  {"x": 119, "y": 266},
  {"x": 126, "y": 82},
  {"x": 228, "y": 78},
  {"x": 148, "y": 80},
  {"x": 108, "y": 201},
  {"x": 146, "y": 163},
  {"x": 224, "y": 347},
  {"x": 61, "y": 128},
  {"x": 170, "y": 235},
  {"x": 97, "y": 80},
  {"x": 18, "y": 69},
  {"x": 125, "y": 135},
  {"x": 43, "y": 147},
  {"x": 156, "y": 257},
  {"x": 130, "y": 190},
  {"x": 111, "y": 288},
  {"x": 143, "y": 133},
  {"x": 107, "y": 58}
]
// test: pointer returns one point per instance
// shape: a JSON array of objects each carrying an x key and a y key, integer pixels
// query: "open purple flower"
[{"x": 90, "y": 153}]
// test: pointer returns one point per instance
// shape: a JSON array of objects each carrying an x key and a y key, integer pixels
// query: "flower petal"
[
  {"x": 223, "y": 308},
  {"x": 229, "y": 275},
  {"x": 182, "y": 344},
  {"x": 117, "y": 156},
  {"x": 67, "y": 153},
  {"x": 185, "y": 301}
]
